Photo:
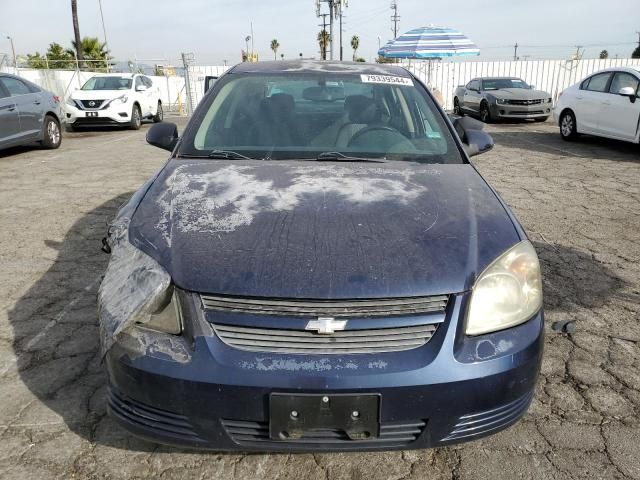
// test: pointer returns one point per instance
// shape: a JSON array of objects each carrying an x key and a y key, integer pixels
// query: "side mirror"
[
  {"x": 532, "y": 87},
  {"x": 141, "y": 88},
  {"x": 163, "y": 135},
  {"x": 628, "y": 92},
  {"x": 209, "y": 82},
  {"x": 474, "y": 139}
]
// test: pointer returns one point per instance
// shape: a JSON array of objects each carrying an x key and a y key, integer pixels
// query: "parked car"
[
  {"x": 114, "y": 99},
  {"x": 502, "y": 97},
  {"x": 605, "y": 104},
  {"x": 318, "y": 266},
  {"x": 28, "y": 114}
]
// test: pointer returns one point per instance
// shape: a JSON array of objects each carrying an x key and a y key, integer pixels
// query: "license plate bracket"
[{"x": 291, "y": 415}]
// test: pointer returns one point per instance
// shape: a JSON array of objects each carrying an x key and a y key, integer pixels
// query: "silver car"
[
  {"x": 502, "y": 97},
  {"x": 28, "y": 114}
]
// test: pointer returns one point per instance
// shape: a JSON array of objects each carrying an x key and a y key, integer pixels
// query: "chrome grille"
[
  {"x": 327, "y": 308},
  {"x": 91, "y": 104},
  {"x": 273, "y": 340},
  {"x": 525, "y": 102}
]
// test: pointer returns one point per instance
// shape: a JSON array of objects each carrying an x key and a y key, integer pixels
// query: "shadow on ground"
[
  {"x": 551, "y": 142},
  {"x": 56, "y": 328}
]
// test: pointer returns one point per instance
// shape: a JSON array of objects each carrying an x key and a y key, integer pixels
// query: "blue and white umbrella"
[{"x": 429, "y": 43}]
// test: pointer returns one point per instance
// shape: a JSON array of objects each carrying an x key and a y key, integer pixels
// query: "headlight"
[
  {"x": 507, "y": 293},
  {"x": 118, "y": 101},
  {"x": 500, "y": 101},
  {"x": 135, "y": 290},
  {"x": 71, "y": 102}
]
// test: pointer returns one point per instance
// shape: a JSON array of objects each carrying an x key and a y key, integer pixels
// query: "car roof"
[
  {"x": 635, "y": 70},
  {"x": 125, "y": 75},
  {"x": 497, "y": 78},
  {"x": 311, "y": 66}
]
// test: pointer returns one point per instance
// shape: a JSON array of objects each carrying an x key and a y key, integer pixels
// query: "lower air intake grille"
[
  {"x": 378, "y": 340},
  {"x": 382, "y": 307},
  {"x": 483, "y": 423},
  {"x": 391, "y": 434},
  {"x": 144, "y": 416}
]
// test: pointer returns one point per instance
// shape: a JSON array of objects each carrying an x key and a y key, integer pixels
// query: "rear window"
[{"x": 300, "y": 115}]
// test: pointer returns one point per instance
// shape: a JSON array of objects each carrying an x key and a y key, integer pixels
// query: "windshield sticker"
[
  {"x": 434, "y": 135},
  {"x": 387, "y": 79}
]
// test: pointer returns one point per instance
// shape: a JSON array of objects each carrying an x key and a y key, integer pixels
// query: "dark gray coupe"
[{"x": 496, "y": 98}]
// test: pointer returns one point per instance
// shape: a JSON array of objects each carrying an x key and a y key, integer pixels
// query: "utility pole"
[
  {"x": 341, "y": 51},
  {"x": 331, "y": 2},
  {"x": 395, "y": 18},
  {"x": 104, "y": 30},
  {"x": 515, "y": 52},
  {"x": 323, "y": 51},
  {"x": 13, "y": 51}
]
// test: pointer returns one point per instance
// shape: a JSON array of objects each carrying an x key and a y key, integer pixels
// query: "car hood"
[
  {"x": 519, "y": 94},
  {"x": 98, "y": 94},
  {"x": 309, "y": 230}
]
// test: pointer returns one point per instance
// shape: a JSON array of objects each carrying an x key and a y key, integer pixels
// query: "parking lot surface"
[{"x": 579, "y": 202}]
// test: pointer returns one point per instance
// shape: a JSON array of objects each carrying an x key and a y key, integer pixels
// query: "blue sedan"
[
  {"x": 319, "y": 267},
  {"x": 28, "y": 114}
]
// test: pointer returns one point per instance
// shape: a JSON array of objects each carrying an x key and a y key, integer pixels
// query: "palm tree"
[
  {"x": 355, "y": 43},
  {"x": 275, "y": 46},
  {"x": 323, "y": 40},
  {"x": 76, "y": 27},
  {"x": 604, "y": 54},
  {"x": 92, "y": 49}
]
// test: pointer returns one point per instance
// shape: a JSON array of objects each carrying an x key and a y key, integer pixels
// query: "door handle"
[
  {"x": 37, "y": 102},
  {"x": 606, "y": 103},
  {"x": 579, "y": 98},
  {"x": 10, "y": 108}
]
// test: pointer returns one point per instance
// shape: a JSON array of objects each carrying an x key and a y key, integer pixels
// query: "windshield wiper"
[
  {"x": 228, "y": 155},
  {"x": 341, "y": 157}
]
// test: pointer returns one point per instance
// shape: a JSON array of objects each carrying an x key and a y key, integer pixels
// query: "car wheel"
[
  {"x": 485, "y": 113},
  {"x": 136, "y": 118},
  {"x": 159, "y": 116},
  {"x": 456, "y": 108},
  {"x": 52, "y": 136},
  {"x": 568, "y": 129}
]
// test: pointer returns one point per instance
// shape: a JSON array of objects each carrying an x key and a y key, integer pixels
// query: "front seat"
[
  {"x": 277, "y": 123},
  {"x": 362, "y": 112}
]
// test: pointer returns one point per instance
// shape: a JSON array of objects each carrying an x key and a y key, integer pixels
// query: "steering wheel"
[{"x": 374, "y": 128}]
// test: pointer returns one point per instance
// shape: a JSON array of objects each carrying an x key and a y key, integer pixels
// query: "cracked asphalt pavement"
[{"x": 580, "y": 203}]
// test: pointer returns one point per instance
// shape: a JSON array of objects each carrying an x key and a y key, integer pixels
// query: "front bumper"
[
  {"x": 209, "y": 395},
  {"x": 542, "y": 110},
  {"x": 112, "y": 115}
]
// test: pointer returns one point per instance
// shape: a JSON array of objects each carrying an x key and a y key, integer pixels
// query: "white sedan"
[
  {"x": 606, "y": 104},
  {"x": 114, "y": 99}
]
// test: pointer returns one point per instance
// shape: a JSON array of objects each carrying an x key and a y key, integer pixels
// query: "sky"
[{"x": 157, "y": 31}]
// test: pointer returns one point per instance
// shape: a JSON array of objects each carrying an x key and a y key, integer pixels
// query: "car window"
[
  {"x": 622, "y": 80},
  {"x": 3, "y": 92},
  {"x": 474, "y": 85},
  {"x": 147, "y": 81},
  {"x": 107, "y": 83},
  {"x": 598, "y": 83},
  {"x": 139, "y": 82},
  {"x": 14, "y": 86},
  {"x": 500, "y": 83},
  {"x": 298, "y": 116}
]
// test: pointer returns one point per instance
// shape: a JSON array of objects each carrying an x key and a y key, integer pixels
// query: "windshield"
[
  {"x": 107, "y": 83},
  {"x": 309, "y": 115},
  {"x": 499, "y": 83}
]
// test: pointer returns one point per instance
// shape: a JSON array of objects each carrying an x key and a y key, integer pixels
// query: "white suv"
[
  {"x": 606, "y": 104},
  {"x": 114, "y": 99}
]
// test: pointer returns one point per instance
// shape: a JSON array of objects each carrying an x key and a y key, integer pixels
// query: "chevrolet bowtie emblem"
[{"x": 326, "y": 325}]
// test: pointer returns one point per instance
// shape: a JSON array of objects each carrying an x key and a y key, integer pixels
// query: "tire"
[
  {"x": 51, "y": 134},
  {"x": 456, "y": 108},
  {"x": 159, "y": 116},
  {"x": 541, "y": 119},
  {"x": 485, "y": 113},
  {"x": 568, "y": 130},
  {"x": 136, "y": 118}
]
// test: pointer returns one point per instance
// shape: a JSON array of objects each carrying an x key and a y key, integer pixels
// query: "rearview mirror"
[
  {"x": 323, "y": 94},
  {"x": 474, "y": 139},
  {"x": 628, "y": 92},
  {"x": 163, "y": 135}
]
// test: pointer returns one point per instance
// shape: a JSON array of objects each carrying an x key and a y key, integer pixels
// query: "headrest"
[
  {"x": 279, "y": 103},
  {"x": 362, "y": 109}
]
